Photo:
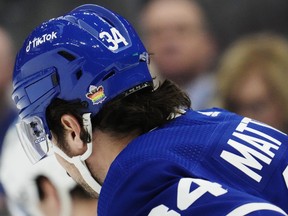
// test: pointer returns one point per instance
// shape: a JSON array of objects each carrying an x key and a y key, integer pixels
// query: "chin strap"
[{"x": 79, "y": 161}]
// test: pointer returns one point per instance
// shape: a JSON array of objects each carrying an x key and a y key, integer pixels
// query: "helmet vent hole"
[
  {"x": 67, "y": 55},
  {"x": 108, "y": 21},
  {"x": 107, "y": 76},
  {"x": 79, "y": 74}
]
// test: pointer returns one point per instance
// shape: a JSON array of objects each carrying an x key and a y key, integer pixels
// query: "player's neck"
[{"x": 106, "y": 148}]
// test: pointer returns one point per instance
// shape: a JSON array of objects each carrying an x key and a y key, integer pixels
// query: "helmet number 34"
[{"x": 114, "y": 37}]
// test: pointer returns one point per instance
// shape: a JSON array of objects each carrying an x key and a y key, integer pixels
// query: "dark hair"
[{"x": 138, "y": 112}]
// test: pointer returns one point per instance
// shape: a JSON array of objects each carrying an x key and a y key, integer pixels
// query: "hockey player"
[{"x": 82, "y": 81}]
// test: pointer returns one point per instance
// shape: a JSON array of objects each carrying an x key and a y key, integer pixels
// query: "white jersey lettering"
[
  {"x": 285, "y": 175},
  {"x": 249, "y": 160},
  {"x": 253, "y": 207},
  {"x": 163, "y": 211},
  {"x": 185, "y": 198}
]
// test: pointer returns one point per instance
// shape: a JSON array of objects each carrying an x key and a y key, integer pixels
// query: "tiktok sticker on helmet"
[
  {"x": 96, "y": 94},
  {"x": 37, "y": 41}
]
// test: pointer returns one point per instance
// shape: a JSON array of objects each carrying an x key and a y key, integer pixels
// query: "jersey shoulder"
[{"x": 167, "y": 192}]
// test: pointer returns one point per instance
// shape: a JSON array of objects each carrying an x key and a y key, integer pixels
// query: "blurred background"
[
  {"x": 21, "y": 16},
  {"x": 229, "y": 19}
]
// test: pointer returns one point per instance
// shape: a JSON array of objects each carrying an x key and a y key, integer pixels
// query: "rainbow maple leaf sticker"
[{"x": 96, "y": 94}]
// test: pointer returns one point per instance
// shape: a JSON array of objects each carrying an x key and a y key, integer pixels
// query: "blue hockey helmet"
[{"x": 90, "y": 54}]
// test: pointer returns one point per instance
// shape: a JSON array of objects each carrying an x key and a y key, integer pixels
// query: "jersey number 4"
[{"x": 185, "y": 198}]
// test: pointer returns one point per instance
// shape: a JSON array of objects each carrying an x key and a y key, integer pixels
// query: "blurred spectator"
[
  {"x": 232, "y": 19},
  {"x": 43, "y": 189},
  {"x": 253, "y": 77},
  {"x": 177, "y": 34},
  {"x": 7, "y": 113}
]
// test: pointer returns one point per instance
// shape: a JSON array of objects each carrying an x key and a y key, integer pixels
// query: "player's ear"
[{"x": 72, "y": 130}]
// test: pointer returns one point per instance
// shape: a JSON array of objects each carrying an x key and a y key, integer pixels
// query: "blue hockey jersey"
[{"x": 209, "y": 162}]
